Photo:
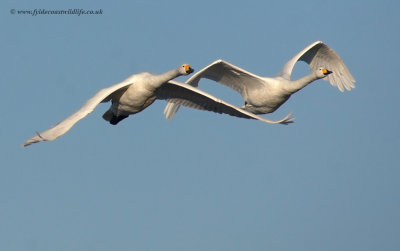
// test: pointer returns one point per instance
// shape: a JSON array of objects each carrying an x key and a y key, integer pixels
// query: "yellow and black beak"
[
  {"x": 188, "y": 69},
  {"x": 326, "y": 71}
]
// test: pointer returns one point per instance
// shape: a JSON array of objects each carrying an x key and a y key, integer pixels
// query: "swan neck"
[
  {"x": 303, "y": 82},
  {"x": 158, "y": 80},
  {"x": 169, "y": 75}
]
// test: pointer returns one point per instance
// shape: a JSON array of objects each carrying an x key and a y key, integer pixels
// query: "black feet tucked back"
[{"x": 115, "y": 119}]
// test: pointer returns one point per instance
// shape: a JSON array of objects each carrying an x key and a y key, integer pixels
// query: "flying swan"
[
  {"x": 138, "y": 92},
  {"x": 264, "y": 94}
]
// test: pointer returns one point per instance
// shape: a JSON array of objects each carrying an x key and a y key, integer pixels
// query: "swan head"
[
  {"x": 323, "y": 72},
  {"x": 185, "y": 69}
]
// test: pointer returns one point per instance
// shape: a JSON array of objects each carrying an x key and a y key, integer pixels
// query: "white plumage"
[
  {"x": 130, "y": 96},
  {"x": 264, "y": 94},
  {"x": 139, "y": 91}
]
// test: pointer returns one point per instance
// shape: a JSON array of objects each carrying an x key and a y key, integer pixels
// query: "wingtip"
[
  {"x": 28, "y": 143},
  {"x": 288, "y": 119},
  {"x": 34, "y": 139}
]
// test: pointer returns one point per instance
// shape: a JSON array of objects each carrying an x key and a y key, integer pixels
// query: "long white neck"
[
  {"x": 160, "y": 79},
  {"x": 299, "y": 84}
]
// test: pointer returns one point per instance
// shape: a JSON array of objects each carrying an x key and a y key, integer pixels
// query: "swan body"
[
  {"x": 266, "y": 94},
  {"x": 130, "y": 96}
]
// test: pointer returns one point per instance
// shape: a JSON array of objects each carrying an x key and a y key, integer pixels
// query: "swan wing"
[
  {"x": 224, "y": 73},
  {"x": 62, "y": 127},
  {"x": 317, "y": 55},
  {"x": 227, "y": 74},
  {"x": 186, "y": 95}
]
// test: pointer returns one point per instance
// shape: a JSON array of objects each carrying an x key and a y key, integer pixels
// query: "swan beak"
[
  {"x": 326, "y": 71},
  {"x": 188, "y": 69}
]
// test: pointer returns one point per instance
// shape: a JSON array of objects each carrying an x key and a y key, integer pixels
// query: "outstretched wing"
[
  {"x": 317, "y": 55},
  {"x": 227, "y": 74},
  {"x": 224, "y": 73},
  {"x": 186, "y": 95},
  {"x": 62, "y": 127}
]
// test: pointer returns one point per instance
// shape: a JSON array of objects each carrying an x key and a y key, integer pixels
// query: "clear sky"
[{"x": 202, "y": 181}]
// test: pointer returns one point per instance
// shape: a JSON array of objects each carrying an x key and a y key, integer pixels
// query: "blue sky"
[{"x": 202, "y": 181}]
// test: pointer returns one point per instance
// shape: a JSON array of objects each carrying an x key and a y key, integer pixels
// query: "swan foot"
[{"x": 116, "y": 119}]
